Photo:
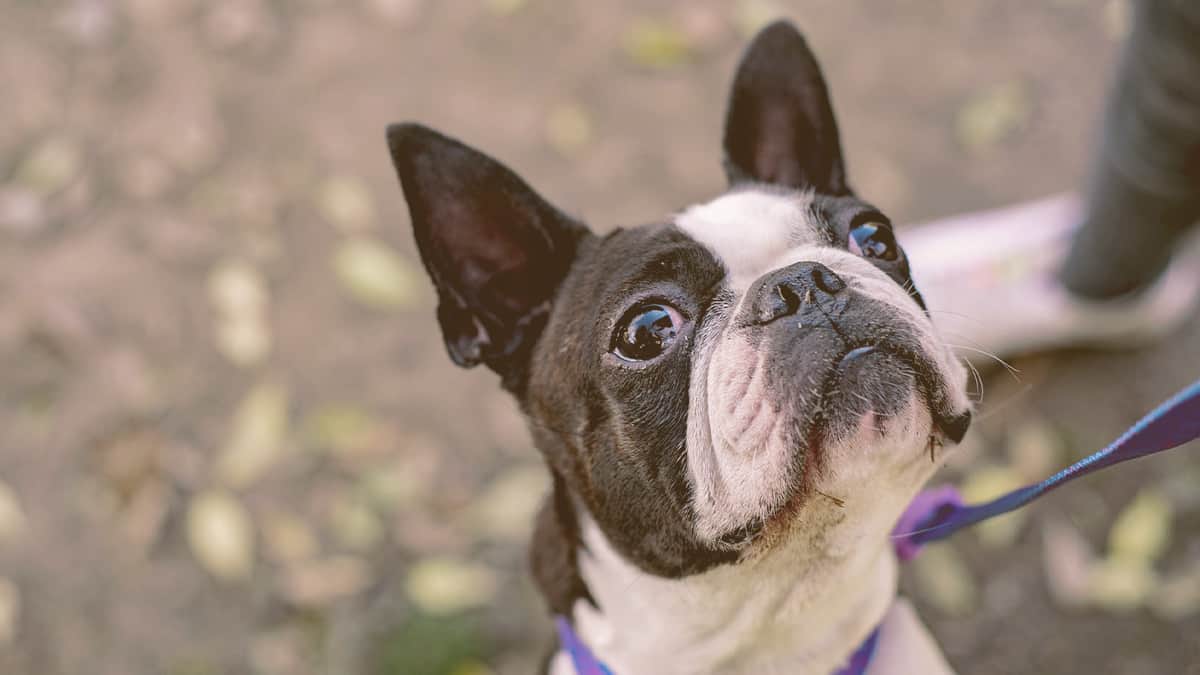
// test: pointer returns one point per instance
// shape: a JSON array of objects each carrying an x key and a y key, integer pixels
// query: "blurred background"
[{"x": 231, "y": 439}]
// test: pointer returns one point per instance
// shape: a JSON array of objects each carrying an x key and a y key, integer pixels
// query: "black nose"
[{"x": 797, "y": 289}]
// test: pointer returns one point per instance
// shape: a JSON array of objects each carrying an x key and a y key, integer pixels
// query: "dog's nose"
[{"x": 797, "y": 289}]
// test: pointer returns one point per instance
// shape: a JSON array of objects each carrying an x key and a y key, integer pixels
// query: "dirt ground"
[{"x": 232, "y": 442}]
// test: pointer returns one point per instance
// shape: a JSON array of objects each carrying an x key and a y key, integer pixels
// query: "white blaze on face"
[{"x": 740, "y": 456}]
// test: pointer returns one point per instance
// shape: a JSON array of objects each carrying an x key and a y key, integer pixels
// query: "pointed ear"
[
  {"x": 495, "y": 250},
  {"x": 780, "y": 127}
]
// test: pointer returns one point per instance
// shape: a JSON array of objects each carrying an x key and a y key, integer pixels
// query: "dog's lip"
[{"x": 951, "y": 424}]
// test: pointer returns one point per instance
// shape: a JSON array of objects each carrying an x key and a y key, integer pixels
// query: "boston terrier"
[{"x": 735, "y": 403}]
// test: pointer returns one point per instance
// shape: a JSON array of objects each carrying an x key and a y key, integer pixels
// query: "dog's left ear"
[
  {"x": 780, "y": 128},
  {"x": 496, "y": 251}
]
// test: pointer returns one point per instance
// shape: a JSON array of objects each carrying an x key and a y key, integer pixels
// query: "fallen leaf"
[
  {"x": 447, "y": 585},
  {"x": 244, "y": 339},
  {"x": 10, "y": 610},
  {"x": 509, "y": 503},
  {"x": 1121, "y": 584},
  {"x": 656, "y": 44},
  {"x": 1068, "y": 561},
  {"x": 50, "y": 166},
  {"x": 12, "y": 516},
  {"x": 356, "y": 525},
  {"x": 988, "y": 483},
  {"x": 340, "y": 428},
  {"x": 257, "y": 439},
  {"x": 993, "y": 115},
  {"x": 396, "y": 485},
  {"x": 318, "y": 583},
  {"x": 236, "y": 287},
  {"x": 238, "y": 293},
  {"x": 221, "y": 535},
  {"x": 346, "y": 203},
  {"x": 1142, "y": 531},
  {"x": 1034, "y": 450},
  {"x": 374, "y": 274},
  {"x": 506, "y": 7},
  {"x": 945, "y": 581},
  {"x": 568, "y": 128}
]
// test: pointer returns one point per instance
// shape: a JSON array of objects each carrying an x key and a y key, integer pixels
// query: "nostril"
[{"x": 826, "y": 280}]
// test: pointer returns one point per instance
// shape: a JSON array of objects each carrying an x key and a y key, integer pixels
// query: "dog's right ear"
[
  {"x": 780, "y": 127},
  {"x": 496, "y": 251}
]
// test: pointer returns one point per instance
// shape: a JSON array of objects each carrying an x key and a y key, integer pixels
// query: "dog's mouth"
[{"x": 864, "y": 387}]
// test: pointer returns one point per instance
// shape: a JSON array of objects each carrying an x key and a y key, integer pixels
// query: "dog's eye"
[
  {"x": 646, "y": 331},
  {"x": 873, "y": 240}
]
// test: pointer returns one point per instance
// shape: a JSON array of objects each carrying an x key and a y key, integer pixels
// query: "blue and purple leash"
[{"x": 938, "y": 513}]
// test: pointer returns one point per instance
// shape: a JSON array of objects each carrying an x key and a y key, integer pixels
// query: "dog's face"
[{"x": 753, "y": 370}]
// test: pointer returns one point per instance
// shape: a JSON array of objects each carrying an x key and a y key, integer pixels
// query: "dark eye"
[
  {"x": 873, "y": 240},
  {"x": 647, "y": 331}
]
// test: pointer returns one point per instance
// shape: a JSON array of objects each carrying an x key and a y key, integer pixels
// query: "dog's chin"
[{"x": 866, "y": 395}]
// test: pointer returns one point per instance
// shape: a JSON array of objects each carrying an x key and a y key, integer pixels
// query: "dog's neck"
[{"x": 787, "y": 611}]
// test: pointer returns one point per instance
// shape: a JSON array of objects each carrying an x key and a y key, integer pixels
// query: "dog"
[{"x": 735, "y": 403}]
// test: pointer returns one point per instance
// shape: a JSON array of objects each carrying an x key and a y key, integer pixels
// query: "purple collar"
[{"x": 936, "y": 514}]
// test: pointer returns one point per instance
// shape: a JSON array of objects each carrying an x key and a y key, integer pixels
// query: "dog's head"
[{"x": 752, "y": 370}]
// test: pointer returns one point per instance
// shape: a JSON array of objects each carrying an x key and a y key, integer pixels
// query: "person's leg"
[
  {"x": 1146, "y": 188},
  {"x": 1114, "y": 269}
]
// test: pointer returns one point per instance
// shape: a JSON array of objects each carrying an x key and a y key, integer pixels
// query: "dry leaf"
[
  {"x": 340, "y": 428},
  {"x": 320, "y": 582},
  {"x": 346, "y": 203},
  {"x": 506, "y": 7},
  {"x": 236, "y": 287},
  {"x": 238, "y": 293},
  {"x": 656, "y": 44},
  {"x": 568, "y": 128},
  {"x": 1034, "y": 450},
  {"x": 988, "y": 483},
  {"x": 50, "y": 166},
  {"x": 355, "y": 525},
  {"x": 221, "y": 535},
  {"x": 945, "y": 581},
  {"x": 1120, "y": 584},
  {"x": 12, "y": 516},
  {"x": 257, "y": 439},
  {"x": 1142, "y": 531},
  {"x": 448, "y": 585},
  {"x": 510, "y": 502},
  {"x": 244, "y": 339},
  {"x": 993, "y": 115},
  {"x": 374, "y": 274}
]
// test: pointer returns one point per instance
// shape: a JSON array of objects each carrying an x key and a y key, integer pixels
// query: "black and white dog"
[{"x": 735, "y": 403}]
